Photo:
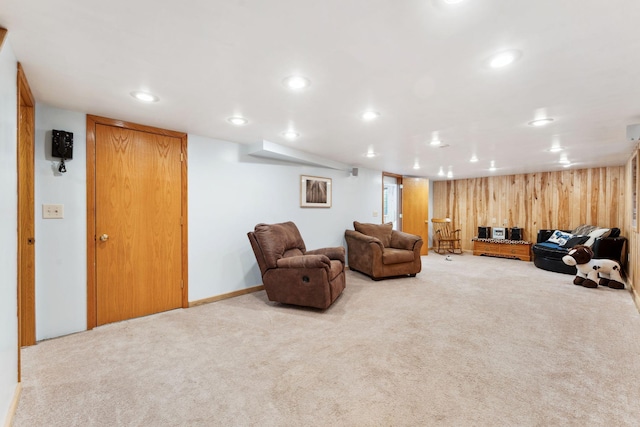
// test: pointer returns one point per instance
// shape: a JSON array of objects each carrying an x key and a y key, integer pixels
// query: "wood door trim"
[
  {"x": 3, "y": 33},
  {"x": 25, "y": 212},
  {"x": 92, "y": 122}
]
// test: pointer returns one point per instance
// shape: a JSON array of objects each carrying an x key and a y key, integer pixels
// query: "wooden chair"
[{"x": 445, "y": 238}]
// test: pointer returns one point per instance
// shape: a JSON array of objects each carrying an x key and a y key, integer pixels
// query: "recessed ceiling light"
[
  {"x": 370, "y": 115},
  {"x": 237, "y": 120},
  {"x": 440, "y": 172},
  {"x": 449, "y": 174},
  {"x": 555, "y": 149},
  {"x": 290, "y": 134},
  {"x": 473, "y": 159},
  {"x": 144, "y": 96},
  {"x": 416, "y": 164},
  {"x": 452, "y": 1},
  {"x": 493, "y": 166},
  {"x": 296, "y": 82},
  {"x": 564, "y": 161},
  {"x": 503, "y": 59},
  {"x": 566, "y": 165},
  {"x": 541, "y": 122},
  {"x": 435, "y": 142}
]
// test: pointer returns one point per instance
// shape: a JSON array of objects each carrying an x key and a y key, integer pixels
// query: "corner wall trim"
[
  {"x": 8, "y": 422},
  {"x": 225, "y": 296}
]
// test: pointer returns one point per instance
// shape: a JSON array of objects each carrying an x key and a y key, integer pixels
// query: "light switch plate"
[{"x": 52, "y": 211}]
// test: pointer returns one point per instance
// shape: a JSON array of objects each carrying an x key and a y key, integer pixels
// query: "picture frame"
[
  {"x": 498, "y": 233},
  {"x": 315, "y": 192}
]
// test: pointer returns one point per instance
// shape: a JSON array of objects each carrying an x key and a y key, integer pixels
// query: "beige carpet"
[{"x": 475, "y": 341}]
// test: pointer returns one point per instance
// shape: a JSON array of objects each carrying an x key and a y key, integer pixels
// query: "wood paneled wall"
[{"x": 562, "y": 199}]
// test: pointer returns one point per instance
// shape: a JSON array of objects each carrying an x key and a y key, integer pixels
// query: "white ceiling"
[{"x": 420, "y": 63}]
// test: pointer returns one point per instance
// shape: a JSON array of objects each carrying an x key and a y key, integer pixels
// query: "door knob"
[{"x": 104, "y": 237}]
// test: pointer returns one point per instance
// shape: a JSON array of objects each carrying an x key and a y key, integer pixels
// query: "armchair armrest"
[
  {"x": 360, "y": 238},
  {"x": 304, "y": 261},
  {"x": 335, "y": 253},
  {"x": 401, "y": 240},
  {"x": 609, "y": 248}
]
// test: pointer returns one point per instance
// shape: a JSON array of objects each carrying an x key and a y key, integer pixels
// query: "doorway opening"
[{"x": 392, "y": 200}]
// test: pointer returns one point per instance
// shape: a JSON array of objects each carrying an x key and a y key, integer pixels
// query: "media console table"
[{"x": 516, "y": 249}]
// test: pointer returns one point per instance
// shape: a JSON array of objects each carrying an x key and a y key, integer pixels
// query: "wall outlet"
[
  {"x": 494, "y": 221},
  {"x": 52, "y": 211}
]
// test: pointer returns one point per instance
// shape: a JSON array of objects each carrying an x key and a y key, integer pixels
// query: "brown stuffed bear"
[{"x": 593, "y": 272}]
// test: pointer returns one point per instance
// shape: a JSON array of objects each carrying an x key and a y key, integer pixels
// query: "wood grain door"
[
  {"x": 139, "y": 240},
  {"x": 26, "y": 213},
  {"x": 415, "y": 209}
]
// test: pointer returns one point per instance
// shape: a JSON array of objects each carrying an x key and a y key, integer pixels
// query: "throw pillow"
[
  {"x": 575, "y": 241},
  {"x": 599, "y": 232},
  {"x": 381, "y": 231},
  {"x": 583, "y": 230},
  {"x": 559, "y": 237}
]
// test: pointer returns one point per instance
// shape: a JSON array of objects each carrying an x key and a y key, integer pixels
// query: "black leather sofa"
[{"x": 548, "y": 256}]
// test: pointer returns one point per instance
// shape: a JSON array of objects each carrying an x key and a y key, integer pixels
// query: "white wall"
[
  {"x": 228, "y": 194},
  {"x": 8, "y": 229},
  {"x": 61, "y": 248}
]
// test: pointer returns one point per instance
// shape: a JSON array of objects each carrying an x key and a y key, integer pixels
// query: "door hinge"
[
  {"x": 181, "y": 222},
  {"x": 181, "y": 157},
  {"x": 181, "y": 284}
]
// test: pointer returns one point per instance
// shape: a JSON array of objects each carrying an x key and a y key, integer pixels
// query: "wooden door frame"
[
  {"x": 92, "y": 122},
  {"x": 26, "y": 222}
]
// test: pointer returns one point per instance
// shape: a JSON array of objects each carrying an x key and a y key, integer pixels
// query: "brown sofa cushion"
[{"x": 380, "y": 231}]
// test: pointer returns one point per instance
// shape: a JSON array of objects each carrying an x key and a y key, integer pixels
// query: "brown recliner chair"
[
  {"x": 293, "y": 275},
  {"x": 379, "y": 251}
]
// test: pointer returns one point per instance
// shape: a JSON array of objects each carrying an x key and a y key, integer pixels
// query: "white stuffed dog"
[{"x": 593, "y": 272}]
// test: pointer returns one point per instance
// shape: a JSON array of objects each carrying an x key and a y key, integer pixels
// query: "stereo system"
[
  {"x": 514, "y": 233},
  {"x": 484, "y": 232}
]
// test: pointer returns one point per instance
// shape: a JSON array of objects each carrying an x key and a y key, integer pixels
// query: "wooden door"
[
  {"x": 26, "y": 213},
  {"x": 139, "y": 235},
  {"x": 415, "y": 209}
]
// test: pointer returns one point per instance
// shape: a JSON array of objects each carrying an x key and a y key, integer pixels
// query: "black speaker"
[
  {"x": 484, "y": 232},
  {"x": 516, "y": 233}
]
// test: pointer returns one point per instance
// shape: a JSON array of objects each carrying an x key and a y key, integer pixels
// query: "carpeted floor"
[{"x": 476, "y": 341}]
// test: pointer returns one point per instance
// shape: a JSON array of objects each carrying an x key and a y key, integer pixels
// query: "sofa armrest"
[
  {"x": 360, "y": 238},
  {"x": 401, "y": 240},
  {"x": 304, "y": 261},
  {"x": 609, "y": 248},
  {"x": 335, "y": 253}
]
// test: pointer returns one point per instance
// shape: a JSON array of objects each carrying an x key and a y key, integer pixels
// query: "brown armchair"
[
  {"x": 379, "y": 251},
  {"x": 293, "y": 275}
]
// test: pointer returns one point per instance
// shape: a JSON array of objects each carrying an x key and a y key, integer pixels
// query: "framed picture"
[
  {"x": 315, "y": 192},
  {"x": 498, "y": 233}
]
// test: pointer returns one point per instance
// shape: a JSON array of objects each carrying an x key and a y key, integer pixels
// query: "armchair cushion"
[{"x": 380, "y": 231}]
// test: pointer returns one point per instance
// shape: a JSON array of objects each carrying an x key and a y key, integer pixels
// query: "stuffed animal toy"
[{"x": 593, "y": 272}]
